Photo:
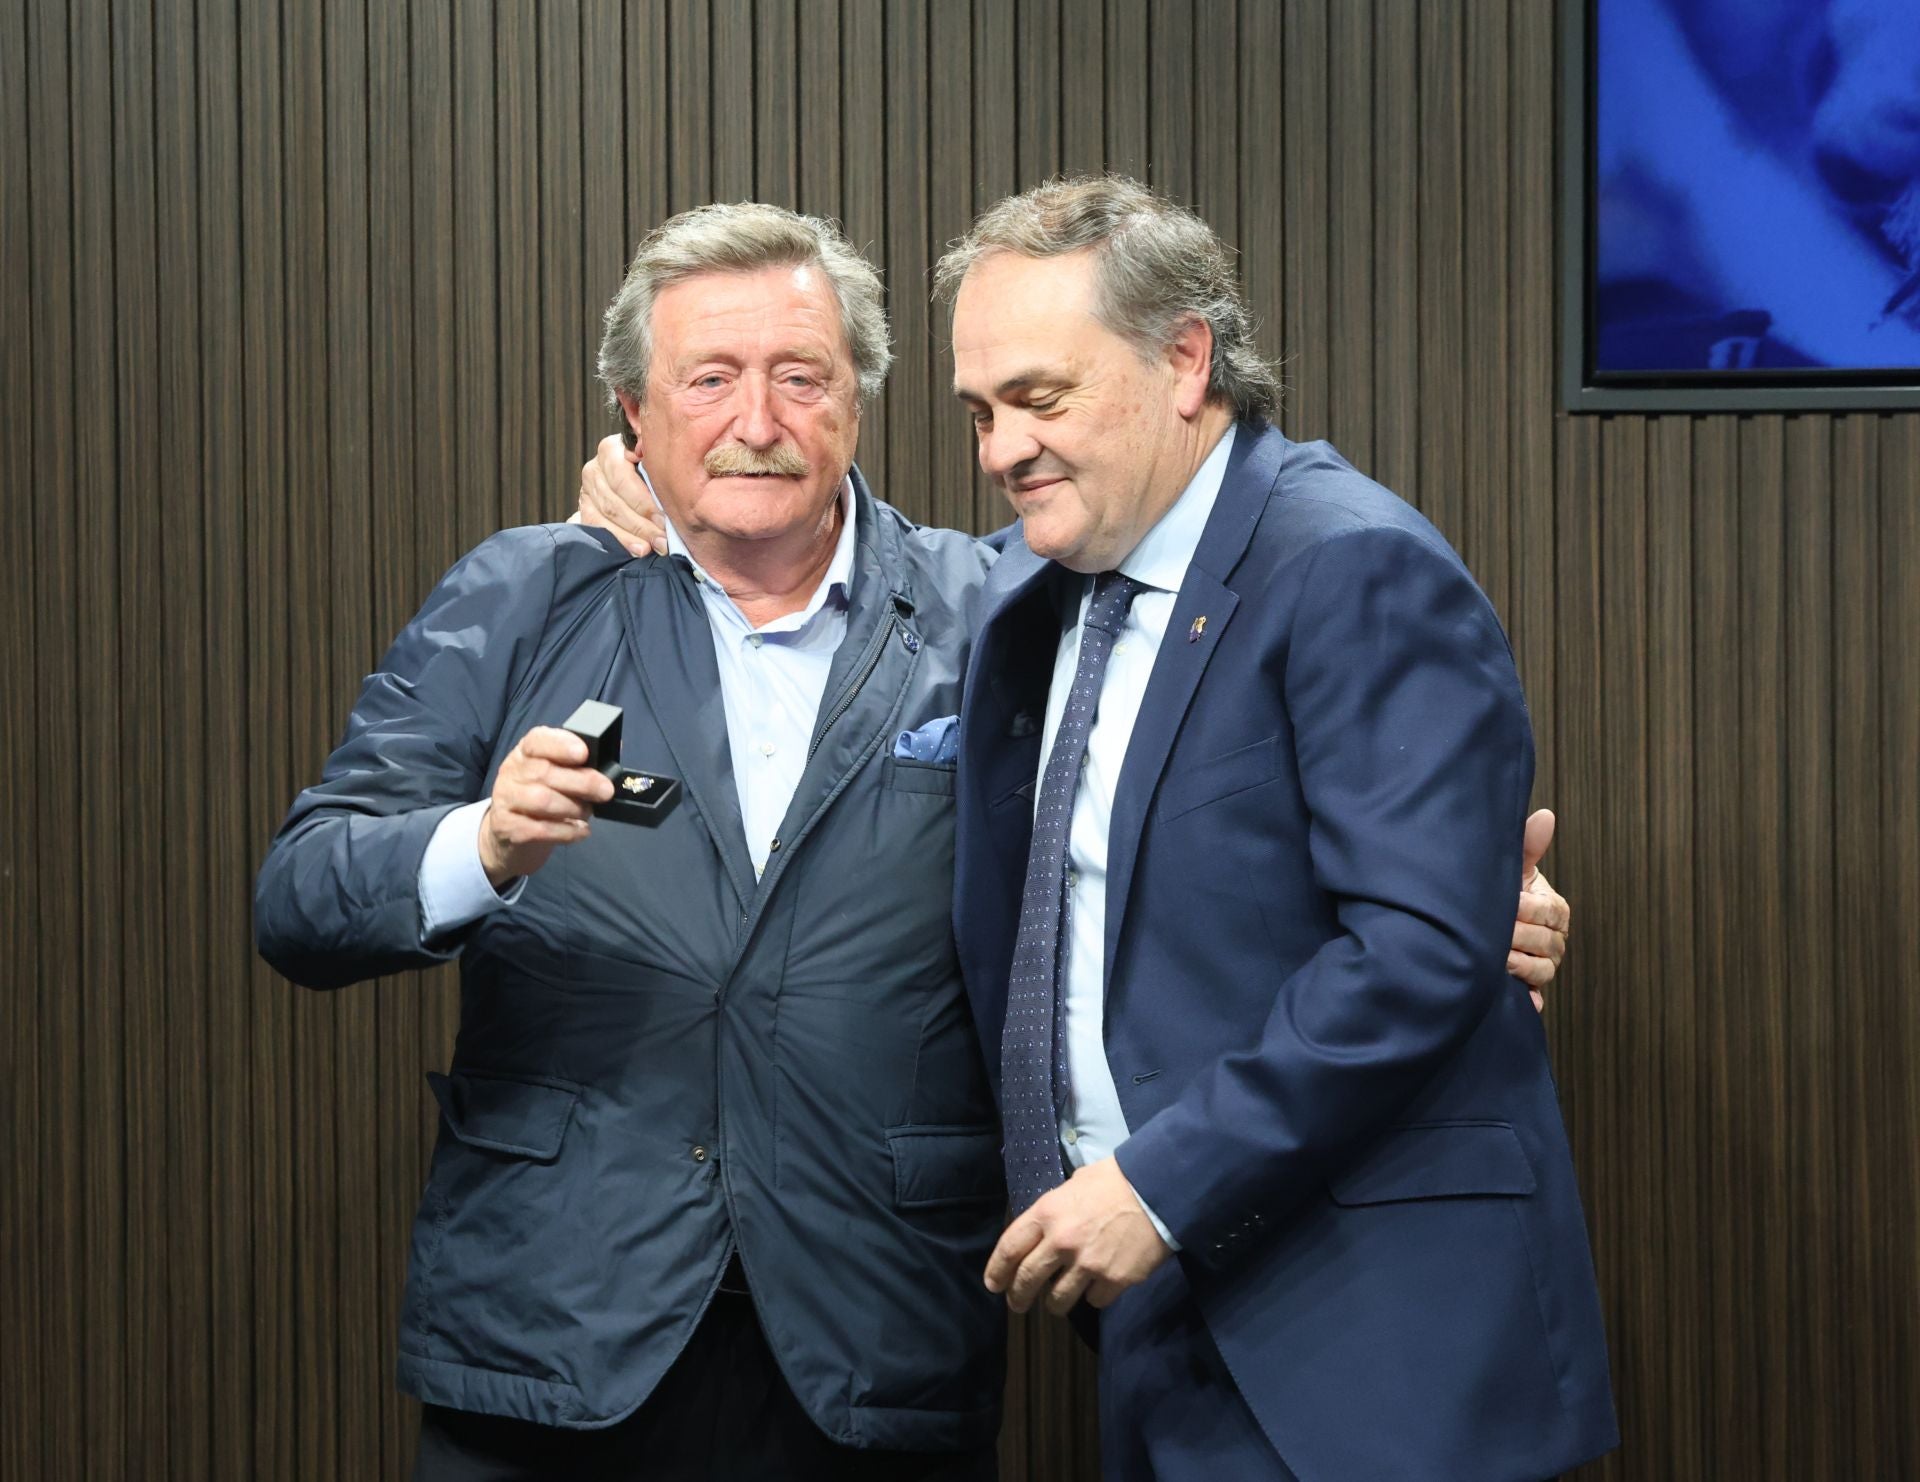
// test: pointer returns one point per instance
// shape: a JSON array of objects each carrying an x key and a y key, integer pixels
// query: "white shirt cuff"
[
  {"x": 1155, "y": 1221},
  {"x": 454, "y": 888}
]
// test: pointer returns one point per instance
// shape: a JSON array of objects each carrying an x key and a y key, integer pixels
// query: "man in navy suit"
[{"x": 1245, "y": 765}]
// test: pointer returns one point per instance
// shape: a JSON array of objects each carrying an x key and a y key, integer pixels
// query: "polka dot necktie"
[{"x": 1033, "y": 1054}]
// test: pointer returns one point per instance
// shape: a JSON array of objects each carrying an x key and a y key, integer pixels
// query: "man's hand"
[
  {"x": 1541, "y": 928},
  {"x": 542, "y": 798},
  {"x": 614, "y": 497},
  {"x": 1089, "y": 1237}
]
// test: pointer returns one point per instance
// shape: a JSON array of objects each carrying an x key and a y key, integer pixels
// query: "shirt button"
[
  {"x": 699, "y": 1155},
  {"x": 1071, "y": 1136},
  {"x": 766, "y": 748},
  {"x": 753, "y": 640},
  {"x": 1073, "y": 879}
]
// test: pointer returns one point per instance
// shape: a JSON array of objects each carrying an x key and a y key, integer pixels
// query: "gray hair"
[
  {"x": 1158, "y": 268},
  {"x": 741, "y": 238}
]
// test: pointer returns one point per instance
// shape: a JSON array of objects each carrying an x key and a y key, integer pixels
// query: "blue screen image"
[{"x": 1756, "y": 204}]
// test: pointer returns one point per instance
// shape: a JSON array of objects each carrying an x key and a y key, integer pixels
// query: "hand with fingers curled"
[
  {"x": 543, "y": 797},
  {"x": 1544, "y": 920},
  {"x": 614, "y": 497},
  {"x": 1088, "y": 1238}
]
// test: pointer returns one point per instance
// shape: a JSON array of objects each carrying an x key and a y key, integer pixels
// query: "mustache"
[{"x": 734, "y": 460}]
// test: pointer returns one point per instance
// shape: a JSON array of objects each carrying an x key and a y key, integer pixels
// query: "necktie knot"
[{"x": 1113, "y": 594}]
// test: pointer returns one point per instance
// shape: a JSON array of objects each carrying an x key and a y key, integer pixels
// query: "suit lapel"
[
  {"x": 1185, "y": 652},
  {"x": 1006, "y": 689},
  {"x": 672, "y": 646}
]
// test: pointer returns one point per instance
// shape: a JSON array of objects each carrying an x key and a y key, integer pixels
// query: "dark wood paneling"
[{"x": 299, "y": 299}]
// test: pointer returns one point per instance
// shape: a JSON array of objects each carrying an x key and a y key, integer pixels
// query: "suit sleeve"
[
  {"x": 1415, "y": 760},
  {"x": 338, "y": 898}
]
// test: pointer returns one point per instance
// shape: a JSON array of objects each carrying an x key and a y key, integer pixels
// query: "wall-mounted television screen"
[{"x": 1741, "y": 204}]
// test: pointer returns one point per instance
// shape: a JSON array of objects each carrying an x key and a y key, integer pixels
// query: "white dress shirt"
[
  {"x": 1094, "y": 1125},
  {"x": 772, "y": 679}
]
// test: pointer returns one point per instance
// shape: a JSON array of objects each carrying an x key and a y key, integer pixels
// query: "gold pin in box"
[{"x": 638, "y": 796}]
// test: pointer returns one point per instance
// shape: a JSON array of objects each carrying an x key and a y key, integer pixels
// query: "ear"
[
  {"x": 630, "y": 408},
  {"x": 1190, "y": 356}
]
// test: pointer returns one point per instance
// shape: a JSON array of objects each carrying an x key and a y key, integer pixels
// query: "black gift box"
[{"x": 638, "y": 797}]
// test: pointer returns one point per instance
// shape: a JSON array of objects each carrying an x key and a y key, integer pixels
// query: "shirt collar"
[
  {"x": 833, "y": 585},
  {"x": 1161, "y": 558}
]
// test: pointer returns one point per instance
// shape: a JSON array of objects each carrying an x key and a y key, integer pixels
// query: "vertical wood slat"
[
  {"x": 266, "y": 372},
  {"x": 101, "y": 1109},
  {"x": 734, "y": 100},
  {"x": 1396, "y": 245},
  {"x": 864, "y": 214},
  {"x": 1858, "y": 657},
  {"x": 131, "y": 844},
  {"x": 182, "y": 1225},
  {"x": 1721, "y": 1391},
  {"x": 1895, "y": 1357},
  {"x": 525, "y": 496},
  {"x": 562, "y": 381},
  {"x": 394, "y": 1070},
  {"x": 908, "y": 95},
  {"x": 690, "y": 102},
  {"x": 1528, "y": 337},
  {"x": 776, "y": 104},
  {"x": 1125, "y": 87},
  {"x": 1350, "y": 241},
  {"x": 946, "y": 452},
  {"x": 20, "y": 1057},
  {"x": 1299, "y": 279},
  {"x": 1673, "y": 761},
  {"x": 306, "y": 583},
  {"x": 215, "y": 212},
  {"x": 350, "y": 1125},
  {"x": 995, "y": 169}
]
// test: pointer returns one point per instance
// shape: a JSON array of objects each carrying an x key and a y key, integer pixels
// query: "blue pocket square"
[{"x": 937, "y": 741}]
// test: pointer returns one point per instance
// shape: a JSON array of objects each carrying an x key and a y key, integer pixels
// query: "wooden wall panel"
[{"x": 299, "y": 299}]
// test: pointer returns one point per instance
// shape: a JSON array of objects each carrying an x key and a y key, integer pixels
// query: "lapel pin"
[{"x": 1198, "y": 629}]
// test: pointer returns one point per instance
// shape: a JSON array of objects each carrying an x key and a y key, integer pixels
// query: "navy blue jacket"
[
  {"x": 1340, "y": 1103},
  {"x": 660, "y": 1058}
]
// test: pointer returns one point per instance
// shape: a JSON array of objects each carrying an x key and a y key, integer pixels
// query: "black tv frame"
[{"x": 1662, "y": 391}]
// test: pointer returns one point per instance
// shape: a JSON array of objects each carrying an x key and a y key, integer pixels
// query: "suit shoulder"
[{"x": 1319, "y": 496}]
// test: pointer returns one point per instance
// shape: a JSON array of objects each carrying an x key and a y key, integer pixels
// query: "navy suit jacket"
[{"x": 1340, "y": 1102}]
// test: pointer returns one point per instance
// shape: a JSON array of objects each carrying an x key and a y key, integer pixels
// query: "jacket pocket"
[
  {"x": 506, "y": 1114},
  {"x": 903, "y": 774},
  {"x": 1218, "y": 777},
  {"x": 1439, "y": 1160},
  {"x": 936, "y": 1167}
]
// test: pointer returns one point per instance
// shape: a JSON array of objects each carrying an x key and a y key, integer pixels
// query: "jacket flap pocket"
[
  {"x": 526, "y": 1119},
  {"x": 903, "y": 774},
  {"x": 936, "y": 1166},
  {"x": 1446, "y": 1160},
  {"x": 1217, "y": 777}
]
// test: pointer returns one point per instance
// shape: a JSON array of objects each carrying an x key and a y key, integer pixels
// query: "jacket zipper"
[{"x": 869, "y": 661}]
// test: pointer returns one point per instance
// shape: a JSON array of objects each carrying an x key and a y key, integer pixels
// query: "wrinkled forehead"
[
  {"x": 773, "y": 311},
  {"x": 1026, "y": 320}
]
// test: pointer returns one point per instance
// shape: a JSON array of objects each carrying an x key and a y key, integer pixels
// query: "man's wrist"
[{"x": 499, "y": 875}]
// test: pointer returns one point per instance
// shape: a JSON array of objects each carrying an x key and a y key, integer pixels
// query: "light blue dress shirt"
[
  {"x": 1094, "y": 1124},
  {"x": 772, "y": 679}
]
